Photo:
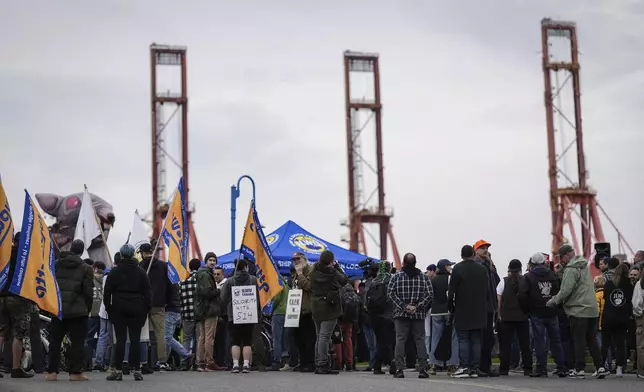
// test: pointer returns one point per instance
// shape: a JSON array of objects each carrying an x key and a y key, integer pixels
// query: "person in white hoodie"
[{"x": 638, "y": 312}]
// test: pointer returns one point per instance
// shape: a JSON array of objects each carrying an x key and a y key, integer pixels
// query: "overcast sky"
[{"x": 463, "y": 118}]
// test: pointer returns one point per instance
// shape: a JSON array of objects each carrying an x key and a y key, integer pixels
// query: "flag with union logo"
[
  {"x": 6, "y": 236},
  {"x": 175, "y": 236},
  {"x": 35, "y": 274},
  {"x": 255, "y": 248}
]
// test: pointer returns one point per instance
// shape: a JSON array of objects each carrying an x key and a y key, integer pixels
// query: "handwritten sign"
[
  {"x": 293, "y": 308},
  {"x": 244, "y": 304}
]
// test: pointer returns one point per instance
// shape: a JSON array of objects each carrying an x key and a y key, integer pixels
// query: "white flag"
[
  {"x": 139, "y": 234},
  {"x": 87, "y": 227}
]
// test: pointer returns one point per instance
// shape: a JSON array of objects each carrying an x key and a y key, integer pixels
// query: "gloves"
[{"x": 551, "y": 303}]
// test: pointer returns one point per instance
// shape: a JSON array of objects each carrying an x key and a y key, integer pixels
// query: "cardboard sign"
[
  {"x": 293, "y": 307},
  {"x": 244, "y": 304}
]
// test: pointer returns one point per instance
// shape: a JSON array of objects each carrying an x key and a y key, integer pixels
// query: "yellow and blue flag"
[
  {"x": 6, "y": 236},
  {"x": 35, "y": 275},
  {"x": 256, "y": 249},
  {"x": 175, "y": 236}
]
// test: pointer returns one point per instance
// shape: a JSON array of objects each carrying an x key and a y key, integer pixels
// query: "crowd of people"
[{"x": 450, "y": 318}]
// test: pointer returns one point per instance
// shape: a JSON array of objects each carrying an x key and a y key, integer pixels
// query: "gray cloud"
[{"x": 463, "y": 119}]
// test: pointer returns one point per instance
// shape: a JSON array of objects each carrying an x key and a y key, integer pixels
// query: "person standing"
[
  {"x": 162, "y": 292},
  {"x": 187, "y": 290},
  {"x": 618, "y": 294},
  {"x": 76, "y": 284},
  {"x": 467, "y": 300},
  {"x": 304, "y": 336},
  {"x": 277, "y": 328},
  {"x": 381, "y": 311},
  {"x": 513, "y": 320},
  {"x": 14, "y": 317},
  {"x": 577, "y": 294},
  {"x": 411, "y": 293},
  {"x": 327, "y": 278},
  {"x": 207, "y": 310},
  {"x": 127, "y": 297},
  {"x": 638, "y": 314},
  {"x": 538, "y": 287},
  {"x": 483, "y": 257},
  {"x": 94, "y": 321},
  {"x": 440, "y": 317}
]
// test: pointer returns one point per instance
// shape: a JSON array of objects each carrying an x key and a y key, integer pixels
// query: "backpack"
[
  {"x": 350, "y": 304},
  {"x": 377, "y": 298}
]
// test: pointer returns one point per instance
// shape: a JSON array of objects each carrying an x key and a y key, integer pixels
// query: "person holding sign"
[
  {"x": 304, "y": 334},
  {"x": 242, "y": 299},
  {"x": 327, "y": 278}
]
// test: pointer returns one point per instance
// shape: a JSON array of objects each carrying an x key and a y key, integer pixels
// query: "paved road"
[{"x": 346, "y": 382}]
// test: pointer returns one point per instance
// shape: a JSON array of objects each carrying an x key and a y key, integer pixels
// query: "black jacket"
[
  {"x": 326, "y": 281},
  {"x": 493, "y": 281},
  {"x": 467, "y": 299},
  {"x": 127, "y": 290},
  {"x": 76, "y": 284},
  {"x": 510, "y": 310},
  {"x": 439, "y": 284},
  {"x": 174, "y": 304},
  {"x": 162, "y": 291},
  {"x": 539, "y": 286},
  {"x": 618, "y": 305}
]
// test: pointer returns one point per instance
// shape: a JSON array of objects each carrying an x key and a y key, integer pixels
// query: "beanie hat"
[
  {"x": 537, "y": 258},
  {"x": 77, "y": 248},
  {"x": 565, "y": 249},
  {"x": 127, "y": 251},
  {"x": 209, "y": 255},
  {"x": 327, "y": 257},
  {"x": 514, "y": 266}
]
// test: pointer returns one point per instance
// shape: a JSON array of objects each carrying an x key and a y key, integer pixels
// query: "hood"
[
  {"x": 242, "y": 278},
  {"x": 578, "y": 262},
  {"x": 541, "y": 270},
  {"x": 325, "y": 273},
  {"x": 127, "y": 263},
  {"x": 71, "y": 261}
]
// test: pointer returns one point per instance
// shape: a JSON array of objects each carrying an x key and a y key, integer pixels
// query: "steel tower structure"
[
  {"x": 571, "y": 198},
  {"x": 360, "y": 210},
  {"x": 165, "y": 55}
]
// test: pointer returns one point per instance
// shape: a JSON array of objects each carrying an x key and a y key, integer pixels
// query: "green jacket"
[
  {"x": 280, "y": 301},
  {"x": 577, "y": 293},
  {"x": 303, "y": 282},
  {"x": 206, "y": 295},
  {"x": 326, "y": 279}
]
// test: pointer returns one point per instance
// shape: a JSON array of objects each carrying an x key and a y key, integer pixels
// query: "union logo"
[
  {"x": 271, "y": 239},
  {"x": 307, "y": 243}
]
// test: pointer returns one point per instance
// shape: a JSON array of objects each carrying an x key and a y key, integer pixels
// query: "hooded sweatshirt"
[
  {"x": 127, "y": 290},
  {"x": 617, "y": 303},
  {"x": 538, "y": 287},
  {"x": 440, "y": 288},
  {"x": 577, "y": 293},
  {"x": 76, "y": 284},
  {"x": 241, "y": 278}
]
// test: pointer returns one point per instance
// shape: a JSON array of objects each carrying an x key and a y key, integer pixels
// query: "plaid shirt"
[
  {"x": 404, "y": 290},
  {"x": 187, "y": 289}
]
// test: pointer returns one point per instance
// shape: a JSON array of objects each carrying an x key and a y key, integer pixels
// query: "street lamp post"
[{"x": 234, "y": 195}]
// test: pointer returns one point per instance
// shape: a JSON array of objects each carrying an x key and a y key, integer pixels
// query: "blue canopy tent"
[{"x": 290, "y": 238}]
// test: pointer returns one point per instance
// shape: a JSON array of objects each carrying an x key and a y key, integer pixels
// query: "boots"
[{"x": 325, "y": 368}]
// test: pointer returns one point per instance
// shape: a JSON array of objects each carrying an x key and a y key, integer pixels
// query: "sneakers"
[
  {"x": 423, "y": 374},
  {"x": 640, "y": 376},
  {"x": 98, "y": 368},
  {"x": 285, "y": 368},
  {"x": 116, "y": 375},
  {"x": 138, "y": 376},
  {"x": 399, "y": 374},
  {"x": 20, "y": 373},
  {"x": 235, "y": 369},
  {"x": 619, "y": 372},
  {"x": 601, "y": 373},
  {"x": 163, "y": 367},
  {"x": 577, "y": 375},
  {"x": 461, "y": 373},
  {"x": 432, "y": 370},
  {"x": 246, "y": 369}
]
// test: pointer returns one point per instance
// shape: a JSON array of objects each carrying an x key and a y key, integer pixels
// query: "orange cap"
[{"x": 481, "y": 243}]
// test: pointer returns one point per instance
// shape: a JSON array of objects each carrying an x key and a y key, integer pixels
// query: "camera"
[{"x": 366, "y": 263}]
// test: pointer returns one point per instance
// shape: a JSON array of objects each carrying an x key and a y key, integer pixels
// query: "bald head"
[{"x": 409, "y": 260}]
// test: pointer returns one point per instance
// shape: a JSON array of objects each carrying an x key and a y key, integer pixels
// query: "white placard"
[
  {"x": 293, "y": 307},
  {"x": 244, "y": 304}
]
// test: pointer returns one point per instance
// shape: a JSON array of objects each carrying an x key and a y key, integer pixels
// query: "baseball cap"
[
  {"x": 444, "y": 263},
  {"x": 481, "y": 243},
  {"x": 537, "y": 258},
  {"x": 431, "y": 267},
  {"x": 565, "y": 249},
  {"x": 297, "y": 255},
  {"x": 146, "y": 248}
]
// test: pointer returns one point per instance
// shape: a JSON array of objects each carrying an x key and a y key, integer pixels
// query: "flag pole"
[
  {"x": 156, "y": 246},
  {"x": 100, "y": 226}
]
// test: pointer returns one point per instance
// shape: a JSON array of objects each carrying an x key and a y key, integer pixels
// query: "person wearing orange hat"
[{"x": 488, "y": 339}]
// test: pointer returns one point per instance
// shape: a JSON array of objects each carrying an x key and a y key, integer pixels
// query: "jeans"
[
  {"x": 469, "y": 348},
  {"x": 172, "y": 322},
  {"x": 583, "y": 331},
  {"x": 104, "y": 341},
  {"x": 76, "y": 328},
  {"x": 487, "y": 344},
  {"x": 507, "y": 330},
  {"x": 93, "y": 328},
  {"x": 438, "y": 326},
  {"x": 370, "y": 339},
  {"x": 546, "y": 330},
  {"x": 324, "y": 329},
  {"x": 405, "y": 327},
  {"x": 279, "y": 341},
  {"x": 189, "y": 340},
  {"x": 345, "y": 349}
]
